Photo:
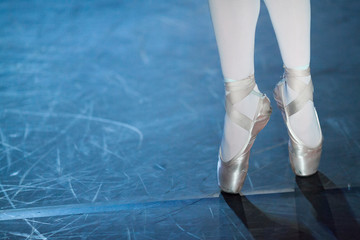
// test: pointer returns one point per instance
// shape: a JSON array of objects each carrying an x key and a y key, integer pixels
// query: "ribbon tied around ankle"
[
  {"x": 305, "y": 91},
  {"x": 238, "y": 90}
]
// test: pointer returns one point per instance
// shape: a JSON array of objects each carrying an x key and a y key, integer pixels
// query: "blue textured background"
[{"x": 123, "y": 101}]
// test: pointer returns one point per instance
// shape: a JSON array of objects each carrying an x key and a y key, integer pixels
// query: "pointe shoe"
[
  {"x": 304, "y": 160},
  {"x": 231, "y": 174}
]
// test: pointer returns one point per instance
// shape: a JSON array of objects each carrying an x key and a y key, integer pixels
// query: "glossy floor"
[
  {"x": 112, "y": 113},
  {"x": 309, "y": 212}
]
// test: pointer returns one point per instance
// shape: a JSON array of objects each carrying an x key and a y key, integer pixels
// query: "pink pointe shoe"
[
  {"x": 231, "y": 174},
  {"x": 304, "y": 160}
]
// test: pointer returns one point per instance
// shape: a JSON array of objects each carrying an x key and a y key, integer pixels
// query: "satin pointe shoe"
[
  {"x": 231, "y": 174},
  {"x": 304, "y": 160}
]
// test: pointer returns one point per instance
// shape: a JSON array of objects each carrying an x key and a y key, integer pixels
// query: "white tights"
[{"x": 234, "y": 23}]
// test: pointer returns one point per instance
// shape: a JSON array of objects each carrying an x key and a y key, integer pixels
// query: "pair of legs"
[{"x": 234, "y": 23}]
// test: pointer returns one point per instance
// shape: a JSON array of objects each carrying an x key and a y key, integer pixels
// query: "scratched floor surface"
[
  {"x": 309, "y": 212},
  {"x": 122, "y": 102}
]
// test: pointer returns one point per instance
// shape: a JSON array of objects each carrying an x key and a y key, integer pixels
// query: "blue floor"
[
  {"x": 310, "y": 212},
  {"x": 111, "y": 116}
]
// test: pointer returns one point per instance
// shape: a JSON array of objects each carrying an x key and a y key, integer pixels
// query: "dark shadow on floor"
[
  {"x": 259, "y": 224},
  {"x": 331, "y": 207}
]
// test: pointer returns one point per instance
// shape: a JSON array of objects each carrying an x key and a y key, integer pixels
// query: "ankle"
[
  {"x": 293, "y": 75},
  {"x": 298, "y": 67},
  {"x": 245, "y": 94},
  {"x": 256, "y": 89}
]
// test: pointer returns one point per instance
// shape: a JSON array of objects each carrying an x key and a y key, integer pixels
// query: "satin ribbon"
[
  {"x": 238, "y": 90},
  {"x": 305, "y": 91}
]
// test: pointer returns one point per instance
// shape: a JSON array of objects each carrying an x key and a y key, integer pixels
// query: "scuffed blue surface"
[{"x": 123, "y": 101}]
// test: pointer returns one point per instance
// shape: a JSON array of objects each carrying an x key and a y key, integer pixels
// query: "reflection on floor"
[
  {"x": 310, "y": 212},
  {"x": 111, "y": 114}
]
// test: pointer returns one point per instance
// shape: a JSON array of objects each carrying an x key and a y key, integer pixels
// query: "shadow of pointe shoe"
[
  {"x": 331, "y": 207},
  {"x": 261, "y": 225}
]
